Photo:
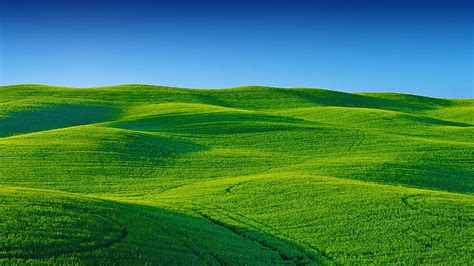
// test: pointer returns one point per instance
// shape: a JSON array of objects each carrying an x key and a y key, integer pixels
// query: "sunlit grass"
[{"x": 250, "y": 175}]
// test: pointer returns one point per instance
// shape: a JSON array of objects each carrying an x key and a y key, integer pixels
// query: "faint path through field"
[
  {"x": 250, "y": 223},
  {"x": 78, "y": 248},
  {"x": 407, "y": 200}
]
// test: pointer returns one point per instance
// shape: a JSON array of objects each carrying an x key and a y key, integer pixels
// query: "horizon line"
[{"x": 229, "y": 88}]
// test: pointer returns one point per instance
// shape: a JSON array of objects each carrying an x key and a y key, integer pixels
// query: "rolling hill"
[{"x": 142, "y": 174}]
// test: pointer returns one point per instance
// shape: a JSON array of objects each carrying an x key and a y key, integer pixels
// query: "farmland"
[{"x": 141, "y": 174}]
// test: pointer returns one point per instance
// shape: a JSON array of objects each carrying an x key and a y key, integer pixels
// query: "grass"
[
  {"x": 53, "y": 227},
  {"x": 141, "y": 174}
]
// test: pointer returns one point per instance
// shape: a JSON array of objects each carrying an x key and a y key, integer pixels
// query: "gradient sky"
[{"x": 419, "y": 47}]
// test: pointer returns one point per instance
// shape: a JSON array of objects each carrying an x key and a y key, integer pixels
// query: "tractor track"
[
  {"x": 102, "y": 245},
  {"x": 408, "y": 204},
  {"x": 299, "y": 260}
]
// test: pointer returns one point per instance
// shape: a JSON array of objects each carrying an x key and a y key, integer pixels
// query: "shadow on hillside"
[{"x": 53, "y": 117}]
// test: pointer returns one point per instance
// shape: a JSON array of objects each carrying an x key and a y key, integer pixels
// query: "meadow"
[{"x": 142, "y": 174}]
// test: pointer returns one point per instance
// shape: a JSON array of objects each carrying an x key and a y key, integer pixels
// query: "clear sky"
[{"x": 419, "y": 47}]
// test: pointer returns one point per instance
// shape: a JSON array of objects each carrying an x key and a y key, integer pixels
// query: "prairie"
[{"x": 142, "y": 174}]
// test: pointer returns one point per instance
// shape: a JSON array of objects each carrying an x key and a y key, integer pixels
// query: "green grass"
[
  {"x": 141, "y": 174},
  {"x": 53, "y": 227}
]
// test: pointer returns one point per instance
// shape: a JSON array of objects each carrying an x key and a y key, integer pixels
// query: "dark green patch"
[{"x": 53, "y": 116}]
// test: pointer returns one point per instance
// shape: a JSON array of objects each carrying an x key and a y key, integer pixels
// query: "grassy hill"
[{"x": 141, "y": 174}]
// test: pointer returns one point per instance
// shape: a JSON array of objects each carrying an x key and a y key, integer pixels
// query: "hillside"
[{"x": 247, "y": 175}]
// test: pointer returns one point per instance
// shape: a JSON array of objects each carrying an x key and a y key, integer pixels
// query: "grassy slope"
[{"x": 251, "y": 174}]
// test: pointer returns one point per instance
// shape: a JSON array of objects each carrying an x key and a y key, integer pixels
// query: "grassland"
[{"x": 140, "y": 174}]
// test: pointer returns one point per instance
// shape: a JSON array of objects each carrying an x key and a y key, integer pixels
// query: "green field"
[{"x": 141, "y": 174}]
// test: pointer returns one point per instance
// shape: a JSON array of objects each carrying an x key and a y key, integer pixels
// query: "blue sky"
[{"x": 419, "y": 47}]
